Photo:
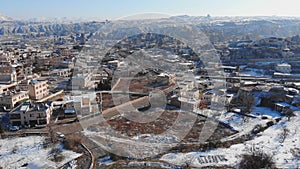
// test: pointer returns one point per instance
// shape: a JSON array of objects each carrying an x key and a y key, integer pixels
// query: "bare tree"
[
  {"x": 51, "y": 132},
  {"x": 1, "y": 131},
  {"x": 285, "y": 132}
]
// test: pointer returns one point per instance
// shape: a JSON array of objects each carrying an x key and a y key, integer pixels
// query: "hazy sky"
[{"x": 112, "y": 9}]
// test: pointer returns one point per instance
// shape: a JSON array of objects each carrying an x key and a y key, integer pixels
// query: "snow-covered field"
[
  {"x": 30, "y": 151},
  {"x": 237, "y": 121},
  {"x": 268, "y": 141}
]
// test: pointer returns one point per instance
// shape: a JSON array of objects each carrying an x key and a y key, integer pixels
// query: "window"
[{"x": 15, "y": 116}]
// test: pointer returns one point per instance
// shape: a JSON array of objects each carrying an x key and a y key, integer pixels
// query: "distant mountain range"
[
  {"x": 218, "y": 29},
  {"x": 47, "y": 26},
  {"x": 47, "y": 29}
]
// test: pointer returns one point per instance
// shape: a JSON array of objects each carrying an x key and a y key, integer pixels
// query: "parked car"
[
  {"x": 14, "y": 128},
  {"x": 60, "y": 135}
]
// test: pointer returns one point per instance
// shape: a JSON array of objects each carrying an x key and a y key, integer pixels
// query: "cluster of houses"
[
  {"x": 27, "y": 76},
  {"x": 275, "y": 48}
]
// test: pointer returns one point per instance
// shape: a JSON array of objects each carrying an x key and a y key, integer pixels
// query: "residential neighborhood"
[{"x": 171, "y": 92}]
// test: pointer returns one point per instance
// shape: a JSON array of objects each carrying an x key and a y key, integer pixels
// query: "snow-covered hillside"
[{"x": 286, "y": 153}]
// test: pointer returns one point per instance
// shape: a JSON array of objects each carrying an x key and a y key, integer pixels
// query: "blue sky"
[{"x": 112, "y": 9}]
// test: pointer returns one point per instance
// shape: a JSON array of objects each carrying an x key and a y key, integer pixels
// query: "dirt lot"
[
  {"x": 164, "y": 122},
  {"x": 119, "y": 99}
]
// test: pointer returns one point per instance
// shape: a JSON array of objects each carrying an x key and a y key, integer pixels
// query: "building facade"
[
  {"x": 10, "y": 99},
  {"x": 31, "y": 114},
  {"x": 37, "y": 89}
]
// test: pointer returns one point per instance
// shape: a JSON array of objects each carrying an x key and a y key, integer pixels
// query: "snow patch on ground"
[
  {"x": 30, "y": 151},
  {"x": 150, "y": 138},
  {"x": 259, "y": 111}
]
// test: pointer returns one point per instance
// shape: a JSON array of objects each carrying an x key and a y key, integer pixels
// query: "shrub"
[
  {"x": 289, "y": 113},
  {"x": 72, "y": 142},
  {"x": 295, "y": 152},
  {"x": 258, "y": 128},
  {"x": 1, "y": 129},
  {"x": 256, "y": 160},
  {"x": 56, "y": 155}
]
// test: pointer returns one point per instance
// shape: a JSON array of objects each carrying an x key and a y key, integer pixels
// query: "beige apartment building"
[
  {"x": 7, "y": 70},
  {"x": 61, "y": 72},
  {"x": 7, "y": 87},
  {"x": 37, "y": 89},
  {"x": 7, "y": 73},
  {"x": 9, "y": 99}
]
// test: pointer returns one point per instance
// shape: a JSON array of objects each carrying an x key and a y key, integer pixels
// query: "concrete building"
[
  {"x": 31, "y": 114},
  {"x": 37, "y": 89},
  {"x": 281, "y": 106},
  {"x": 208, "y": 96},
  {"x": 10, "y": 68},
  {"x": 7, "y": 71},
  {"x": 9, "y": 99},
  {"x": 83, "y": 81},
  {"x": 83, "y": 104},
  {"x": 61, "y": 72},
  {"x": 283, "y": 68},
  {"x": 7, "y": 87},
  {"x": 64, "y": 51},
  {"x": 189, "y": 104},
  {"x": 27, "y": 71},
  {"x": 66, "y": 65}
]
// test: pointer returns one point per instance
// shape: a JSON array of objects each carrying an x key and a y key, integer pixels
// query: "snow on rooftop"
[
  {"x": 24, "y": 108},
  {"x": 283, "y": 104},
  {"x": 281, "y": 74},
  {"x": 283, "y": 65}
]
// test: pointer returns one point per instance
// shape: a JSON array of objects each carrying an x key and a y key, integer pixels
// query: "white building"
[
  {"x": 83, "y": 81},
  {"x": 27, "y": 71},
  {"x": 208, "y": 96},
  {"x": 283, "y": 68},
  {"x": 189, "y": 104},
  {"x": 31, "y": 114},
  {"x": 61, "y": 72}
]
